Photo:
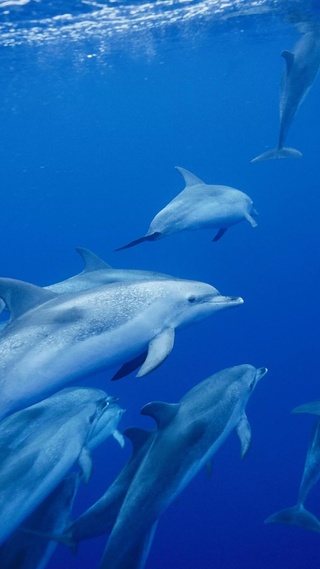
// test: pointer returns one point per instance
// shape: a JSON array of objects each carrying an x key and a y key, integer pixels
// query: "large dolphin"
[
  {"x": 298, "y": 514},
  {"x": 97, "y": 272},
  {"x": 301, "y": 70},
  {"x": 188, "y": 434},
  {"x": 40, "y": 444},
  {"x": 25, "y": 549},
  {"x": 200, "y": 206},
  {"x": 55, "y": 339}
]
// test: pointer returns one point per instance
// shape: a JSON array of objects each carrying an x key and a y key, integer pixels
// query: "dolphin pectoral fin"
[
  {"x": 91, "y": 261},
  {"x": 20, "y": 297},
  {"x": 284, "y": 152},
  {"x": 251, "y": 220},
  {"x": 119, "y": 438},
  {"x": 297, "y": 516},
  {"x": 209, "y": 468},
  {"x": 189, "y": 178},
  {"x": 220, "y": 234},
  {"x": 161, "y": 412},
  {"x": 159, "y": 349},
  {"x": 85, "y": 464},
  {"x": 244, "y": 433},
  {"x": 153, "y": 237},
  {"x": 313, "y": 408},
  {"x": 289, "y": 59},
  {"x": 130, "y": 366}
]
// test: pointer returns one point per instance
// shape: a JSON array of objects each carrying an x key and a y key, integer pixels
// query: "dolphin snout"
[
  {"x": 230, "y": 300},
  {"x": 261, "y": 372}
]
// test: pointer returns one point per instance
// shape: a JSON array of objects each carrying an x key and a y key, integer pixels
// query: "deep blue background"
[{"x": 88, "y": 148}]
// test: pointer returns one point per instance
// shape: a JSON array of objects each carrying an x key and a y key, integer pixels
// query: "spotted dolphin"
[
  {"x": 25, "y": 549},
  {"x": 301, "y": 70},
  {"x": 298, "y": 514},
  {"x": 40, "y": 444},
  {"x": 200, "y": 206},
  {"x": 188, "y": 434},
  {"x": 53, "y": 339}
]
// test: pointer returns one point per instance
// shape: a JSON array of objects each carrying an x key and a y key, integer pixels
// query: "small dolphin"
[
  {"x": 188, "y": 434},
  {"x": 53, "y": 339},
  {"x": 26, "y": 550},
  {"x": 302, "y": 67},
  {"x": 34, "y": 460},
  {"x": 199, "y": 206},
  {"x": 298, "y": 515}
]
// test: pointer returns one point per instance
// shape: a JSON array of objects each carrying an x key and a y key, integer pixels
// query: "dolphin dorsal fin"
[
  {"x": 189, "y": 178},
  {"x": 137, "y": 436},
  {"x": 91, "y": 261},
  {"x": 20, "y": 297},
  {"x": 161, "y": 412},
  {"x": 289, "y": 58},
  {"x": 313, "y": 408}
]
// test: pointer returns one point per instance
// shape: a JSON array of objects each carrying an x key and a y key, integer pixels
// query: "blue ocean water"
[{"x": 100, "y": 102}]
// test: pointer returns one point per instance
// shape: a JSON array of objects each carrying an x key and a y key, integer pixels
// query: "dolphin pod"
[
  {"x": 301, "y": 70},
  {"x": 53, "y": 339},
  {"x": 199, "y": 206},
  {"x": 188, "y": 434},
  {"x": 39, "y": 445}
]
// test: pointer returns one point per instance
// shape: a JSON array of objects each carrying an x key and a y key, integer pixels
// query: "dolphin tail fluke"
[
  {"x": 284, "y": 152},
  {"x": 297, "y": 516},
  {"x": 63, "y": 538},
  {"x": 151, "y": 237}
]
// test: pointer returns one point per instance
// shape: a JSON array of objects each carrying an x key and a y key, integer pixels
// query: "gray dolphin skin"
[
  {"x": 96, "y": 272},
  {"x": 301, "y": 70},
  {"x": 298, "y": 515},
  {"x": 100, "y": 518},
  {"x": 40, "y": 444},
  {"x": 200, "y": 206},
  {"x": 24, "y": 549},
  {"x": 188, "y": 434},
  {"x": 52, "y": 340}
]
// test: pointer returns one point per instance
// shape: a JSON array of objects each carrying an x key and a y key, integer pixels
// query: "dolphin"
[
  {"x": 188, "y": 434},
  {"x": 298, "y": 514},
  {"x": 53, "y": 339},
  {"x": 96, "y": 272},
  {"x": 34, "y": 460},
  {"x": 199, "y": 206},
  {"x": 26, "y": 550},
  {"x": 301, "y": 70}
]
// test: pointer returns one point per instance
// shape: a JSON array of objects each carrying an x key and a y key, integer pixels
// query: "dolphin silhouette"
[
  {"x": 53, "y": 339},
  {"x": 199, "y": 206},
  {"x": 298, "y": 514},
  {"x": 301, "y": 70},
  {"x": 36, "y": 458},
  {"x": 188, "y": 434}
]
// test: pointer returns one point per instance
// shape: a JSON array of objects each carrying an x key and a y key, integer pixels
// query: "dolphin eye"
[{"x": 192, "y": 299}]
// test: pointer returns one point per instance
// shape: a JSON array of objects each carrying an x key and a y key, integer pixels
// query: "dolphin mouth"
[{"x": 227, "y": 300}]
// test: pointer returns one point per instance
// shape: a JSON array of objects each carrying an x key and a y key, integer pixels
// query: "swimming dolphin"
[
  {"x": 26, "y": 550},
  {"x": 298, "y": 515},
  {"x": 301, "y": 70},
  {"x": 188, "y": 434},
  {"x": 199, "y": 206},
  {"x": 53, "y": 339},
  {"x": 96, "y": 272},
  {"x": 34, "y": 460}
]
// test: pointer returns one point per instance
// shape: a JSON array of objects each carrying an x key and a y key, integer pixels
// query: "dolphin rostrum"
[
  {"x": 200, "y": 206},
  {"x": 298, "y": 515},
  {"x": 39, "y": 445},
  {"x": 52, "y": 339},
  {"x": 188, "y": 434},
  {"x": 301, "y": 70}
]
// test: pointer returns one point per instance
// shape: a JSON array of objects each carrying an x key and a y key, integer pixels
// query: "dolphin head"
[{"x": 191, "y": 301}]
